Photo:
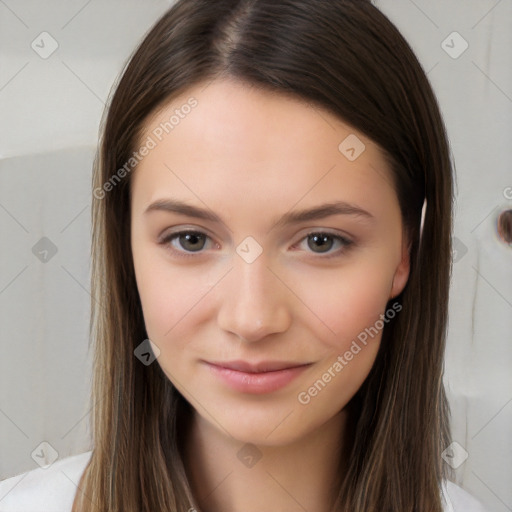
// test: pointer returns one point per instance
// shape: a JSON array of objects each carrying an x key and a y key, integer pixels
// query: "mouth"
[
  {"x": 255, "y": 378},
  {"x": 262, "y": 367}
]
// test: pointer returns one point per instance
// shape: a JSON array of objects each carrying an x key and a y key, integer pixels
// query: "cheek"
[
  {"x": 344, "y": 304},
  {"x": 352, "y": 308},
  {"x": 158, "y": 291},
  {"x": 171, "y": 298},
  {"x": 164, "y": 303}
]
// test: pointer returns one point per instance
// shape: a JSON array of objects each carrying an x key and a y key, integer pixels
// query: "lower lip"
[{"x": 264, "y": 382}]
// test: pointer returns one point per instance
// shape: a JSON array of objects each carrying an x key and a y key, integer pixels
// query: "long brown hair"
[{"x": 341, "y": 55}]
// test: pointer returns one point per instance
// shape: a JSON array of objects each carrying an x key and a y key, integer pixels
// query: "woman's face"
[{"x": 267, "y": 318}]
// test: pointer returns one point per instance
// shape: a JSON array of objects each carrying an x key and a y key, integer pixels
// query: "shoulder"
[
  {"x": 456, "y": 499},
  {"x": 54, "y": 488},
  {"x": 39, "y": 489}
]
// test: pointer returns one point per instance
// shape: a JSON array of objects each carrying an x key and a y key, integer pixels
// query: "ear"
[{"x": 402, "y": 271}]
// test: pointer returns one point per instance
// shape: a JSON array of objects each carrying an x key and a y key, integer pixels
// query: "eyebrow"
[{"x": 291, "y": 217}]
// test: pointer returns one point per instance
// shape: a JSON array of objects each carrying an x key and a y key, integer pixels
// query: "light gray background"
[{"x": 51, "y": 110}]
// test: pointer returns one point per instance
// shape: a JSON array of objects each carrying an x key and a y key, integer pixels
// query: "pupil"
[
  {"x": 322, "y": 239},
  {"x": 191, "y": 238}
]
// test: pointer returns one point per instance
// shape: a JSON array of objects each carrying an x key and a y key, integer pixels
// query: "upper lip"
[{"x": 263, "y": 366}]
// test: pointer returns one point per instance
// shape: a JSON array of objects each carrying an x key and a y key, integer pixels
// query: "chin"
[
  {"x": 264, "y": 424},
  {"x": 262, "y": 434}
]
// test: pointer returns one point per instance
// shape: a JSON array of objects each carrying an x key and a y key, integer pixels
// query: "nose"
[{"x": 253, "y": 301}]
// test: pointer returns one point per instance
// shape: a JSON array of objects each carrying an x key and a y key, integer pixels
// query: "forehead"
[{"x": 237, "y": 141}]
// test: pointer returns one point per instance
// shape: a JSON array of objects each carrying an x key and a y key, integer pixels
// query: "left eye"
[
  {"x": 325, "y": 242},
  {"x": 191, "y": 242}
]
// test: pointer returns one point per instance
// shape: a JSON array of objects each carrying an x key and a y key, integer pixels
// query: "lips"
[
  {"x": 256, "y": 378},
  {"x": 262, "y": 367}
]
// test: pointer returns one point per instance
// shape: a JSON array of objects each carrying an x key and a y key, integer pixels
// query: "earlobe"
[{"x": 402, "y": 271}]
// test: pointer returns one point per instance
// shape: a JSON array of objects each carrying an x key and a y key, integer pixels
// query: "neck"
[{"x": 227, "y": 475}]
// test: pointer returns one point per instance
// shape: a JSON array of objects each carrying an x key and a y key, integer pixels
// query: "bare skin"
[{"x": 251, "y": 157}]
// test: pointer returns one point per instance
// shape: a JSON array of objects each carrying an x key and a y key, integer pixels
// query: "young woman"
[{"x": 271, "y": 260}]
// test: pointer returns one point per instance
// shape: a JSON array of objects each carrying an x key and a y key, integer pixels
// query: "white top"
[{"x": 53, "y": 489}]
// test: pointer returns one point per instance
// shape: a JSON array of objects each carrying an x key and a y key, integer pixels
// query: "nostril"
[{"x": 504, "y": 225}]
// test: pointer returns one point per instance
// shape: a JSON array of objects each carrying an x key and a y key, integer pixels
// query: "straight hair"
[{"x": 344, "y": 56}]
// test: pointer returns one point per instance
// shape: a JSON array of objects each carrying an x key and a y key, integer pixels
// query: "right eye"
[{"x": 185, "y": 243}]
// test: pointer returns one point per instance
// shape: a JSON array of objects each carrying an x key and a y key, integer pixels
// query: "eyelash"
[{"x": 166, "y": 241}]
